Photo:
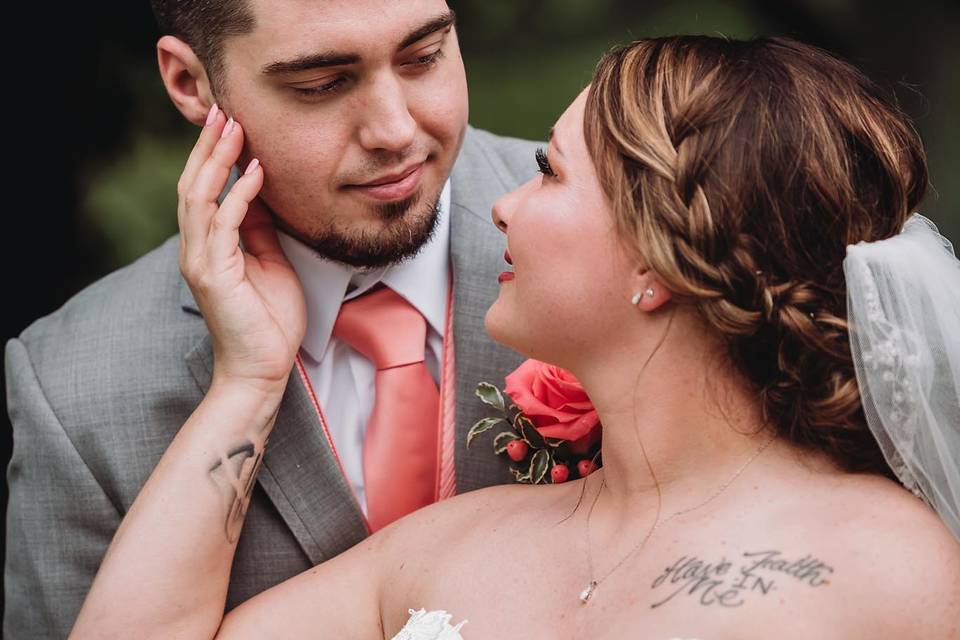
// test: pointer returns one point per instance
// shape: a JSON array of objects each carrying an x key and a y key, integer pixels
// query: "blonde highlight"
[{"x": 738, "y": 172}]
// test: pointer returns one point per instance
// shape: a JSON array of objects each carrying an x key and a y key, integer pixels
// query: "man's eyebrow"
[
  {"x": 438, "y": 23},
  {"x": 336, "y": 59},
  {"x": 310, "y": 61}
]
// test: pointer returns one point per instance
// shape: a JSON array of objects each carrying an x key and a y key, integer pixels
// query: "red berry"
[
  {"x": 517, "y": 450},
  {"x": 559, "y": 473},
  {"x": 586, "y": 467}
]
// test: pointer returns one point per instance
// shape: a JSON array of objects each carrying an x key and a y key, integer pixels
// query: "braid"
[{"x": 750, "y": 221}]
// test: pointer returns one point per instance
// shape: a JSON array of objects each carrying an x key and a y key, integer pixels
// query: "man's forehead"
[{"x": 286, "y": 28}]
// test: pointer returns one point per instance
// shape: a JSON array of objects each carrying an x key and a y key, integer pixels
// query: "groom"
[{"x": 358, "y": 113}]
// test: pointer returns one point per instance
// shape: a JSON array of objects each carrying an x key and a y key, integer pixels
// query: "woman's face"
[{"x": 569, "y": 297}]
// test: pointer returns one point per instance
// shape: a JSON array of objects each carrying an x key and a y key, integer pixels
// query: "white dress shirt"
[{"x": 342, "y": 379}]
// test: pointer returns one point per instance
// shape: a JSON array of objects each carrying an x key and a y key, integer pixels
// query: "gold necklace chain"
[{"x": 592, "y": 585}]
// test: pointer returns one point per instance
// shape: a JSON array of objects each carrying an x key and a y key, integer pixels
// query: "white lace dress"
[
  {"x": 429, "y": 625},
  {"x": 435, "y": 625}
]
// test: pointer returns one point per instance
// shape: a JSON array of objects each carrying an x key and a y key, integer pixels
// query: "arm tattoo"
[
  {"x": 235, "y": 474},
  {"x": 726, "y": 584}
]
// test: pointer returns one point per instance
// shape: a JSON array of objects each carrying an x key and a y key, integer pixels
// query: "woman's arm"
[
  {"x": 167, "y": 569},
  {"x": 166, "y": 572}
]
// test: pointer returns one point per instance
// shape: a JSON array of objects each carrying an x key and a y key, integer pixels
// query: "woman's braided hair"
[{"x": 739, "y": 171}]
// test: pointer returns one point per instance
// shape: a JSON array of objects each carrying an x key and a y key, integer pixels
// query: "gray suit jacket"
[{"x": 97, "y": 390}]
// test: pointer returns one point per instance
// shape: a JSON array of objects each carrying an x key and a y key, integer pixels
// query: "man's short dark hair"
[{"x": 204, "y": 25}]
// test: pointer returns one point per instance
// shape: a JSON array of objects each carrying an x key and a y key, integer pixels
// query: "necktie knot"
[{"x": 384, "y": 328}]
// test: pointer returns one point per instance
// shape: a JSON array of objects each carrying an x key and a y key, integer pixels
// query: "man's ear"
[{"x": 185, "y": 79}]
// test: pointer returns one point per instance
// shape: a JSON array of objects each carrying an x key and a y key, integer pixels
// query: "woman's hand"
[{"x": 250, "y": 298}]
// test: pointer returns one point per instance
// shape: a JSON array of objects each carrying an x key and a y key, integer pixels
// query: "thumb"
[{"x": 258, "y": 234}]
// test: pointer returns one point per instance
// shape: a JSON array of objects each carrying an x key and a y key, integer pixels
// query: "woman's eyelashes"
[
  {"x": 544, "y": 163},
  {"x": 424, "y": 63}
]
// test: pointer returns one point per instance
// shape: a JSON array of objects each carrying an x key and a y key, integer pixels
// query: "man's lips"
[{"x": 392, "y": 187}]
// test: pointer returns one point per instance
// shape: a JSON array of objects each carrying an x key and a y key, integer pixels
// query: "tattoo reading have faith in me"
[
  {"x": 727, "y": 584},
  {"x": 235, "y": 473}
]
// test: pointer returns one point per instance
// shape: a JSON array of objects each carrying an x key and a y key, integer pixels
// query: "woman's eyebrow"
[{"x": 554, "y": 140}]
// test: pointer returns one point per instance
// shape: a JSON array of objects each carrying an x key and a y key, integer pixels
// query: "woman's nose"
[{"x": 504, "y": 207}]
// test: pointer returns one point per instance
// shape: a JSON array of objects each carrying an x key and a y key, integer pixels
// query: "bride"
[{"x": 705, "y": 210}]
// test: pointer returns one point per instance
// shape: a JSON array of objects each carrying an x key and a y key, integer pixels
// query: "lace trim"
[
  {"x": 894, "y": 355},
  {"x": 429, "y": 625}
]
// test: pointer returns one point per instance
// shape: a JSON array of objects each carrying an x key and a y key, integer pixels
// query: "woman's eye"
[
  {"x": 544, "y": 163},
  {"x": 322, "y": 89}
]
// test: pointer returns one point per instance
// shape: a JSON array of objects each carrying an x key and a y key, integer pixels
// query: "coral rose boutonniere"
[{"x": 553, "y": 428}]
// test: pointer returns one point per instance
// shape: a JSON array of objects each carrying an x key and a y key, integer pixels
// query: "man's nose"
[{"x": 387, "y": 123}]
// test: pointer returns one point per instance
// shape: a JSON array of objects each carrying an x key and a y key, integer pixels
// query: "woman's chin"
[{"x": 500, "y": 329}]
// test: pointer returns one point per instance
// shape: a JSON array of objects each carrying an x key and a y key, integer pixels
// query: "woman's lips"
[
  {"x": 397, "y": 190},
  {"x": 506, "y": 276}
]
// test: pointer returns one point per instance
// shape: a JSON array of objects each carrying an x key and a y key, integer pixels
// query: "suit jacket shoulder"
[{"x": 111, "y": 359}]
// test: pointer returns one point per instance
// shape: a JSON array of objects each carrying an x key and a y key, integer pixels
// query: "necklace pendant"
[{"x": 586, "y": 593}]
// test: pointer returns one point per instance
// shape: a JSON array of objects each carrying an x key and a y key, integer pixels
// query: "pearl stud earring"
[{"x": 639, "y": 296}]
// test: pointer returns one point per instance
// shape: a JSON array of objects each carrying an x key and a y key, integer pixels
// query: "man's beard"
[{"x": 400, "y": 240}]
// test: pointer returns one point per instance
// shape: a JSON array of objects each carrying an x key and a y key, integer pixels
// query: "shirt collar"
[{"x": 422, "y": 280}]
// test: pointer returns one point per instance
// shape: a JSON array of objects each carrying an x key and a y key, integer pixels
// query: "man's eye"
[
  {"x": 426, "y": 61},
  {"x": 544, "y": 163},
  {"x": 322, "y": 89}
]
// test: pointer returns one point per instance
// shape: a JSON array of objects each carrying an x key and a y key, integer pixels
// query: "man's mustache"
[{"x": 375, "y": 168}]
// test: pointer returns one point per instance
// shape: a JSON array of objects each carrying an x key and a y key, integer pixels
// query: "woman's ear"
[
  {"x": 185, "y": 79},
  {"x": 649, "y": 293}
]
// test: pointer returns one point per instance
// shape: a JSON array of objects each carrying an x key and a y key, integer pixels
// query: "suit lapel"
[
  {"x": 476, "y": 253},
  {"x": 300, "y": 473}
]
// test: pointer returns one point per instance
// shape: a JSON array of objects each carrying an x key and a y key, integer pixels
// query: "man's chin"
[{"x": 390, "y": 233}]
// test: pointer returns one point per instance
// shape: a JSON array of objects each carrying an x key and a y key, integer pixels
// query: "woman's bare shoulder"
[
  {"x": 461, "y": 513},
  {"x": 902, "y": 562}
]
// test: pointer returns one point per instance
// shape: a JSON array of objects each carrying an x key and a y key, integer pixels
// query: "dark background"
[{"x": 94, "y": 146}]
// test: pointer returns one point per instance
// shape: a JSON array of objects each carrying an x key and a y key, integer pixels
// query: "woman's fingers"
[
  {"x": 200, "y": 203},
  {"x": 258, "y": 233},
  {"x": 224, "y": 236},
  {"x": 202, "y": 149},
  {"x": 209, "y": 135}
]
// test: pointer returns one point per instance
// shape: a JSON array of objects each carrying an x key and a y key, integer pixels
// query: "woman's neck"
[{"x": 684, "y": 422}]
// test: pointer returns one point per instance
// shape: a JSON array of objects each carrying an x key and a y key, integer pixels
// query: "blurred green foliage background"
[{"x": 525, "y": 62}]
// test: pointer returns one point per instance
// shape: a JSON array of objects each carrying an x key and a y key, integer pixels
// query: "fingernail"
[
  {"x": 252, "y": 166},
  {"x": 228, "y": 128},
  {"x": 212, "y": 115}
]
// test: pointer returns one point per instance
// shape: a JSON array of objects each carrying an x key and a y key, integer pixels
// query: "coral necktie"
[{"x": 400, "y": 447}]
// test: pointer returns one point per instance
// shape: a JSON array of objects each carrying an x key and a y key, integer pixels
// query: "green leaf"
[
  {"x": 539, "y": 465},
  {"x": 503, "y": 439},
  {"x": 490, "y": 395},
  {"x": 483, "y": 425},
  {"x": 528, "y": 432},
  {"x": 520, "y": 477}
]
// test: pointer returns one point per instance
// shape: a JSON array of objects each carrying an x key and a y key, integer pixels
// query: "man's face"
[{"x": 356, "y": 109}]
